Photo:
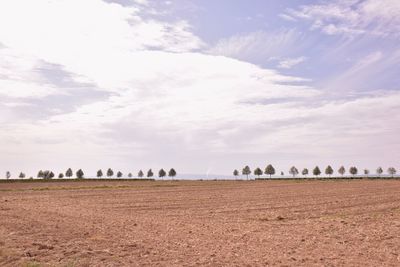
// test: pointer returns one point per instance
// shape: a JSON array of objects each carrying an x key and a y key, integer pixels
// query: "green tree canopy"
[
  {"x": 140, "y": 174},
  {"x": 162, "y": 173},
  {"x": 258, "y": 172},
  {"x": 48, "y": 174},
  {"x": 316, "y": 171},
  {"x": 379, "y": 171},
  {"x": 246, "y": 171},
  {"x": 172, "y": 173},
  {"x": 353, "y": 170},
  {"x": 110, "y": 172},
  {"x": 329, "y": 170},
  {"x": 269, "y": 170},
  {"x": 69, "y": 173},
  {"x": 342, "y": 170},
  {"x": 294, "y": 171},
  {"x": 79, "y": 174},
  {"x": 392, "y": 171}
]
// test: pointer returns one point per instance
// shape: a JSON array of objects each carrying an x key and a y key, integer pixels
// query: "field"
[{"x": 200, "y": 223}]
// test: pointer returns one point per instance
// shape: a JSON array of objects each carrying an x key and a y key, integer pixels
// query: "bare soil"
[{"x": 200, "y": 223}]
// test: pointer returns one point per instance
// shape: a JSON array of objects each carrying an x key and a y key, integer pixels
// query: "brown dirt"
[{"x": 257, "y": 223}]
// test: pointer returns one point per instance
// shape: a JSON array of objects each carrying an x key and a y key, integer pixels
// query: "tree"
[
  {"x": 258, "y": 172},
  {"x": 110, "y": 173},
  {"x": 329, "y": 170},
  {"x": 48, "y": 175},
  {"x": 119, "y": 174},
  {"x": 61, "y": 175},
  {"x": 99, "y": 173},
  {"x": 246, "y": 171},
  {"x": 269, "y": 170},
  {"x": 130, "y": 175},
  {"x": 8, "y": 175},
  {"x": 342, "y": 171},
  {"x": 172, "y": 173},
  {"x": 392, "y": 171},
  {"x": 353, "y": 170},
  {"x": 294, "y": 171},
  {"x": 150, "y": 173},
  {"x": 22, "y": 175},
  {"x": 140, "y": 174},
  {"x": 316, "y": 171},
  {"x": 305, "y": 172},
  {"x": 162, "y": 173},
  {"x": 379, "y": 171},
  {"x": 236, "y": 173},
  {"x": 40, "y": 174},
  {"x": 79, "y": 174},
  {"x": 69, "y": 173},
  {"x": 366, "y": 172}
]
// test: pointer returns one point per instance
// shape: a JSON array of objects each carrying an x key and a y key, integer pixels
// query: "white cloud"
[
  {"x": 290, "y": 62},
  {"x": 142, "y": 2},
  {"x": 111, "y": 27},
  {"x": 24, "y": 89},
  {"x": 365, "y": 62},
  {"x": 17, "y": 78},
  {"x": 287, "y": 17},
  {"x": 352, "y": 17},
  {"x": 156, "y": 81},
  {"x": 165, "y": 102},
  {"x": 366, "y": 73},
  {"x": 260, "y": 45},
  {"x": 332, "y": 29},
  {"x": 44, "y": 31}
]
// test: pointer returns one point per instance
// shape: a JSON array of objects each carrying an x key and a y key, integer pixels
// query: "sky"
[{"x": 203, "y": 86}]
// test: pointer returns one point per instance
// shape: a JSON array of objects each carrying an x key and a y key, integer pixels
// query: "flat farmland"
[{"x": 200, "y": 223}]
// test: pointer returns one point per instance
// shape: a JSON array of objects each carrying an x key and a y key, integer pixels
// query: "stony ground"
[{"x": 256, "y": 223}]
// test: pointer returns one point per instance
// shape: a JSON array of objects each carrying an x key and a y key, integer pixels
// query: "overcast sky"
[{"x": 202, "y": 86}]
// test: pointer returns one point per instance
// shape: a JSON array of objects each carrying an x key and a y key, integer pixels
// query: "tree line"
[
  {"x": 270, "y": 170},
  {"x": 47, "y": 174}
]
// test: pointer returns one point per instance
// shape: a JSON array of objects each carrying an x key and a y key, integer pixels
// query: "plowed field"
[{"x": 200, "y": 223}]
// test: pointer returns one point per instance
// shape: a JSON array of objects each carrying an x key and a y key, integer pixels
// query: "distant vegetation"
[
  {"x": 47, "y": 174},
  {"x": 294, "y": 171},
  {"x": 246, "y": 171},
  {"x": 329, "y": 171}
]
